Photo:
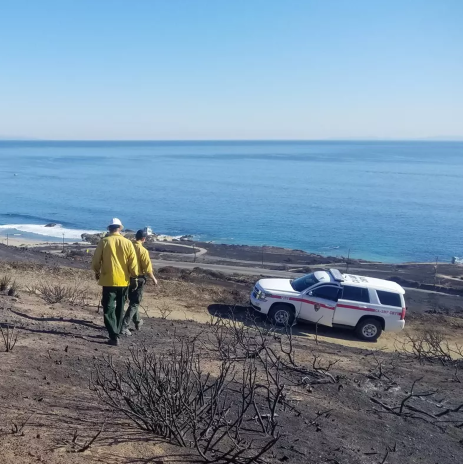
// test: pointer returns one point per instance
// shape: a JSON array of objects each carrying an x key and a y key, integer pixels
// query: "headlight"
[{"x": 261, "y": 296}]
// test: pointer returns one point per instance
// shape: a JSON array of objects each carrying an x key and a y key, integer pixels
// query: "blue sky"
[{"x": 231, "y": 69}]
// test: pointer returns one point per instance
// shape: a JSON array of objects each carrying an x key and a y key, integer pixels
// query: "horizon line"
[{"x": 348, "y": 139}]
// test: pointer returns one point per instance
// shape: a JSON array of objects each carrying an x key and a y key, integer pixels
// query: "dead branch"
[
  {"x": 289, "y": 351},
  {"x": 74, "y": 294},
  {"x": 5, "y": 282},
  {"x": 18, "y": 428},
  {"x": 456, "y": 377},
  {"x": 9, "y": 337},
  {"x": 385, "y": 456},
  {"x": 77, "y": 447},
  {"x": 414, "y": 395},
  {"x": 165, "y": 309},
  {"x": 172, "y": 397},
  {"x": 236, "y": 340},
  {"x": 447, "y": 411},
  {"x": 379, "y": 371},
  {"x": 431, "y": 346},
  {"x": 407, "y": 410}
]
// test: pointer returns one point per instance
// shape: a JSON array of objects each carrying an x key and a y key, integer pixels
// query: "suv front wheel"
[
  {"x": 369, "y": 329},
  {"x": 282, "y": 314}
]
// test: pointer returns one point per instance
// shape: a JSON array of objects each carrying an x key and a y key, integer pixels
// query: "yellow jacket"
[
  {"x": 115, "y": 261},
  {"x": 143, "y": 259}
]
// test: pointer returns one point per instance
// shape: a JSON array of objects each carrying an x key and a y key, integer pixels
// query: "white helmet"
[{"x": 115, "y": 222}]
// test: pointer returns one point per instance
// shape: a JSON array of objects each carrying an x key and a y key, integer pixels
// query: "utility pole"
[
  {"x": 63, "y": 242},
  {"x": 436, "y": 295},
  {"x": 347, "y": 262},
  {"x": 435, "y": 272}
]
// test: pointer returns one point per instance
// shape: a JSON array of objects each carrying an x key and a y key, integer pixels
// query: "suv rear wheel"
[
  {"x": 282, "y": 314},
  {"x": 369, "y": 329}
]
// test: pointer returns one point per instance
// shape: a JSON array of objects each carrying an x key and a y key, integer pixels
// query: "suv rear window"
[
  {"x": 355, "y": 294},
  {"x": 389, "y": 298}
]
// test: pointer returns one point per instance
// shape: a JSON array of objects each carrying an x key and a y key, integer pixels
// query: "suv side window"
[
  {"x": 327, "y": 292},
  {"x": 389, "y": 298},
  {"x": 355, "y": 294}
]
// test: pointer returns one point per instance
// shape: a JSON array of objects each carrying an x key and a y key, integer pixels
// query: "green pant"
[
  {"x": 113, "y": 307},
  {"x": 135, "y": 297}
]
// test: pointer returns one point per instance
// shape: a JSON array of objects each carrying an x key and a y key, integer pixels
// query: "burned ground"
[{"x": 350, "y": 412}]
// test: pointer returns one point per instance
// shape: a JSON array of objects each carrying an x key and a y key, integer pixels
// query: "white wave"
[
  {"x": 162, "y": 237},
  {"x": 56, "y": 232}
]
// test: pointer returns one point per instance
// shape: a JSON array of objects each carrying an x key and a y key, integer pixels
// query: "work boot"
[
  {"x": 138, "y": 324},
  {"x": 126, "y": 332},
  {"x": 113, "y": 342}
]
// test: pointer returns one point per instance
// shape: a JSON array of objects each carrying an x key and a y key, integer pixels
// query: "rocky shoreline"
[{"x": 253, "y": 253}]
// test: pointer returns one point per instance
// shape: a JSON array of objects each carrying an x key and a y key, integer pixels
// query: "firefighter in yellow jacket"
[
  {"x": 114, "y": 263},
  {"x": 145, "y": 269}
]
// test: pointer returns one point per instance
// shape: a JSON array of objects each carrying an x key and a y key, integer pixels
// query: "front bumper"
[
  {"x": 259, "y": 305},
  {"x": 257, "y": 308}
]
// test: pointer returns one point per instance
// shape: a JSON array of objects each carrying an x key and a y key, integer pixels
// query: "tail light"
[{"x": 404, "y": 311}]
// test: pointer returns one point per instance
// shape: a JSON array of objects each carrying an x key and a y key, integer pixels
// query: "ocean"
[{"x": 387, "y": 201}]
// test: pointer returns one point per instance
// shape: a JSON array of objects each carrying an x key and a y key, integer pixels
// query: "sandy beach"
[{"x": 22, "y": 241}]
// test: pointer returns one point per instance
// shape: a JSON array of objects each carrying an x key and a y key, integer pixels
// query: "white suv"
[{"x": 330, "y": 298}]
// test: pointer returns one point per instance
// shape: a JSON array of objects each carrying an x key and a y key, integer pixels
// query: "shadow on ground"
[
  {"x": 60, "y": 333},
  {"x": 82, "y": 322},
  {"x": 249, "y": 317}
]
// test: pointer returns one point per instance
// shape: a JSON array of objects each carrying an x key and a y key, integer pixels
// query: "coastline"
[
  {"x": 23, "y": 236},
  {"x": 32, "y": 243},
  {"x": 226, "y": 251},
  {"x": 183, "y": 249},
  {"x": 23, "y": 241}
]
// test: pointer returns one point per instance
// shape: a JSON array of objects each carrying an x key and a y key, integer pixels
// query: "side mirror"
[{"x": 310, "y": 293}]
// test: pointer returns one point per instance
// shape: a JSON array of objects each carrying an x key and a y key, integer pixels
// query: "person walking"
[
  {"x": 114, "y": 263},
  {"x": 145, "y": 269}
]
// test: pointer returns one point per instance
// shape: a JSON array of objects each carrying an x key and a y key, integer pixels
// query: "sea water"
[{"x": 389, "y": 201}]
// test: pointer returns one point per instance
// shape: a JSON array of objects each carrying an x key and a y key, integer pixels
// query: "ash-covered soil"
[{"x": 49, "y": 412}]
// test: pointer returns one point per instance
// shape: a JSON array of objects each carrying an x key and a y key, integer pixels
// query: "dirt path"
[
  {"x": 457, "y": 279},
  {"x": 202, "y": 251},
  {"x": 180, "y": 309}
]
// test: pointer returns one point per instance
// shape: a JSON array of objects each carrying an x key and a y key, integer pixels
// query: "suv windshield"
[{"x": 304, "y": 282}]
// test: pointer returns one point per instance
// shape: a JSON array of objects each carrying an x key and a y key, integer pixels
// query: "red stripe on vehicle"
[
  {"x": 371, "y": 310},
  {"x": 357, "y": 308},
  {"x": 313, "y": 302},
  {"x": 278, "y": 297}
]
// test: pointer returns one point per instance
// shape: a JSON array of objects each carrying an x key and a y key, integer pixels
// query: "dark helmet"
[{"x": 141, "y": 234}]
